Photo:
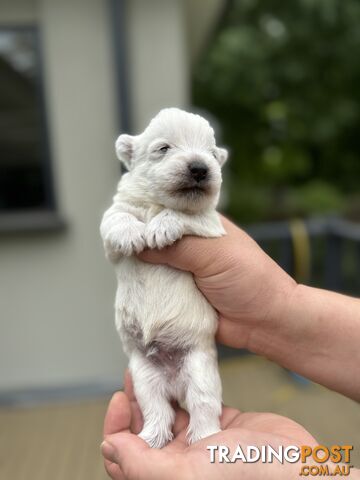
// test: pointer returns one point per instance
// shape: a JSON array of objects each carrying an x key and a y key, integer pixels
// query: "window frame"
[{"x": 46, "y": 217}]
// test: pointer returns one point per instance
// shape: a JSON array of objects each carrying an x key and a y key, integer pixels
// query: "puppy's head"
[{"x": 176, "y": 160}]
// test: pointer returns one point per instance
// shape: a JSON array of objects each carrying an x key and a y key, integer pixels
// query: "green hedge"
[{"x": 283, "y": 79}]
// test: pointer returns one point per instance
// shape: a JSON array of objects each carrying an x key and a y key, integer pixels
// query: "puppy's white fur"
[{"x": 166, "y": 325}]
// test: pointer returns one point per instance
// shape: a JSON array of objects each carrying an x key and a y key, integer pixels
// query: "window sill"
[{"x": 29, "y": 221}]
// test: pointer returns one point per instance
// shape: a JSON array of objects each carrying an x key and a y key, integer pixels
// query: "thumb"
[
  {"x": 136, "y": 459},
  {"x": 192, "y": 254}
]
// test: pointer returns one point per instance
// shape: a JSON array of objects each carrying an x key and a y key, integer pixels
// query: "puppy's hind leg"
[
  {"x": 152, "y": 393},
  {"x": 202, "y": 394}
]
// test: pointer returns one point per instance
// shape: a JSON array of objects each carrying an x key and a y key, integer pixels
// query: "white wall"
[{"x": 56, "y": 290}]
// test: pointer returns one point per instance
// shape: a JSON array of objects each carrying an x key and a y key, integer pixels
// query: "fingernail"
[{"x": 108, "y": 451}]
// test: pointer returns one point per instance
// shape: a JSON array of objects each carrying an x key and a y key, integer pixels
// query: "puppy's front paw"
[
  {"x": 163, "y": 230},
  {"x": 128, "y": 239}
]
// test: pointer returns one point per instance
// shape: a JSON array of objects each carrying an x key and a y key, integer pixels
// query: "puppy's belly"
[{"x": 161, "y": 311}]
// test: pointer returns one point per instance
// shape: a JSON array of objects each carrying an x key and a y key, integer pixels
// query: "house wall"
[
  {"x": 158, "y": 67},
  {"x": 56, "y": 289}
]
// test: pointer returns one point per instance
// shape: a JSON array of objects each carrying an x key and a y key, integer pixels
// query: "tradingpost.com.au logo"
[{"x": 315, "y": 461}]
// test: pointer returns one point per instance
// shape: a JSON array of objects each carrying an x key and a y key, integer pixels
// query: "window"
[{"x": 25, "y": 177}]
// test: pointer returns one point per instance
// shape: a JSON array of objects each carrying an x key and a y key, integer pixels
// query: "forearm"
[{"x": 317, "y": 334}]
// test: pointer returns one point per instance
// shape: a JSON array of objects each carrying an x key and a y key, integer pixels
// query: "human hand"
[
  {"x": 238, "y": 278},
  {"x": 127, "y": 457},
  {"x": 261, "y": 308}
]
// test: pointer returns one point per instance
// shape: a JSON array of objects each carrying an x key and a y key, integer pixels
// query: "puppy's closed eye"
[
  {"x": 164, "y": 148},
  {"x": 159, "y": 147}
]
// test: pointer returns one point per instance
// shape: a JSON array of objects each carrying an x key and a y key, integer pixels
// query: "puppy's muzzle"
[{"x": 198, "y": 171}]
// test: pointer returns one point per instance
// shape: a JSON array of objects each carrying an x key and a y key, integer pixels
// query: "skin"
[{"x": 310, "y": 331}]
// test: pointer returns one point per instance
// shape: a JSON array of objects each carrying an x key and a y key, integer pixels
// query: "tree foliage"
[{"x": 283, "y": 79}]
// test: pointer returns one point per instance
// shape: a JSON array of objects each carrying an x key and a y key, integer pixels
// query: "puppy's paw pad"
[
  {"x": 127, "y": 240},
  {"x": 156, "y": 439},
  {"x": 163, "y": 231}
]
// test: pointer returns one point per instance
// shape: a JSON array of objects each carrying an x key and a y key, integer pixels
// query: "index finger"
[{"x": 198, "y": 254}]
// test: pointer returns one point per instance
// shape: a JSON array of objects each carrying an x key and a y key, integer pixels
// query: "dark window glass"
[{"x": 24, "y": 164}]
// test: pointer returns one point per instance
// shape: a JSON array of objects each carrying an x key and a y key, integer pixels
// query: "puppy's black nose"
[{"x": 198, "y": 170}]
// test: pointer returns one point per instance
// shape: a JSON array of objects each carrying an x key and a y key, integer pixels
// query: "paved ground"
[
  {"x": 61, "y": 441},
  {"x": 263, "y": 386}
]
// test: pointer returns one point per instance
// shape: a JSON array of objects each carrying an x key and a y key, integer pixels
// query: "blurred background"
[{"x": 279, "y": 81}]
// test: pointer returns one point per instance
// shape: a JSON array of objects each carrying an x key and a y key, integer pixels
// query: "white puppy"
[{"x": 166, "y": 325}]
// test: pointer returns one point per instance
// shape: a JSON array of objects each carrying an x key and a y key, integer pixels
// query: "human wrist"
[{"x": 269, "y": 329}]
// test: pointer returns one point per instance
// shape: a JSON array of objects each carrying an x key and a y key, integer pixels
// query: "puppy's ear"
[
  {"x": 222, "y": 155},
  {"x": 124, "y": 149}
]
